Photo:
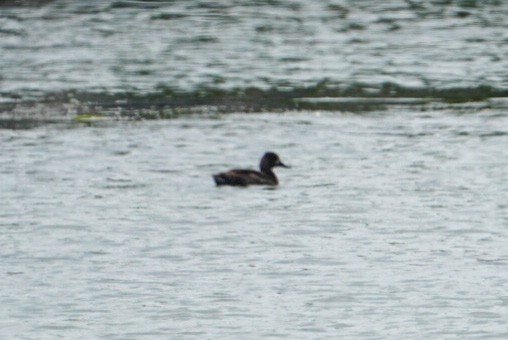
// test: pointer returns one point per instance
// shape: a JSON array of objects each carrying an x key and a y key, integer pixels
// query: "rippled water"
[
  {"x": 188, "y": 45},
  {"x": 388, "y": 225},
  {"x": 391, "y": 223}
]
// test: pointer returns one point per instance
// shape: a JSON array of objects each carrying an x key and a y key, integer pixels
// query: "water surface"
[
  {"x": 138, "y": 46},
  {"x": 388, "y": 225},
  {"x": 391, "y": 223}
]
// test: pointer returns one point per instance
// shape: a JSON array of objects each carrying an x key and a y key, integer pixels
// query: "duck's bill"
[{"x": 283, "y": 165}]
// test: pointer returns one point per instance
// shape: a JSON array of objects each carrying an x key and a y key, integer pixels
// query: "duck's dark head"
[{"x": 270, "y": 160}]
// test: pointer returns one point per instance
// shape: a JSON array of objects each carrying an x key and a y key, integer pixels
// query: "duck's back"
[{"x": 241, "y": 177}]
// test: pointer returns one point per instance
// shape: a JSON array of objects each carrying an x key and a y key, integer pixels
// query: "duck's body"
[{"x": 241, "y": 177}]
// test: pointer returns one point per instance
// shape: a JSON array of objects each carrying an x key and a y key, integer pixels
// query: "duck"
[{"x": 244, "y": 177}]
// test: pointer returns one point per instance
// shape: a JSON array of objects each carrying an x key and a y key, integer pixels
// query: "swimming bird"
[{"x": 241, "y": 177}]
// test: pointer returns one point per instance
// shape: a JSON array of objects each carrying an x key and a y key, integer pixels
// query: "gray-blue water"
[
  {"x": 386, "y": 226},
  {"x": 391, "y": 224},
  {"x": 187, "y": 45}
]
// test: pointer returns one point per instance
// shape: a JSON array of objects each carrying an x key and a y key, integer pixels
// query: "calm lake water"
[
  {"x": 388, "y": 225},
  {"x": 391, "y": 224}
]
